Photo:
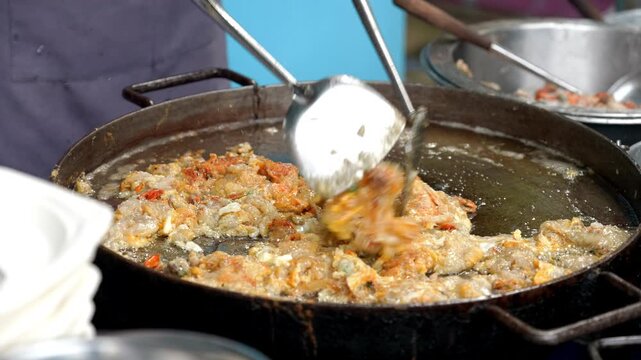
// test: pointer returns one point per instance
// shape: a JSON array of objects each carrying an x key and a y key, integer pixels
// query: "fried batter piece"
[
  {"x": 365, "y": 217},
  {"x": 235, "y": 194},
  {"x": 433, "y": 209}
]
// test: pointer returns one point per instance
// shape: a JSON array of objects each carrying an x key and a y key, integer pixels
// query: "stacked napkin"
[{"x": 48, "y": 238}]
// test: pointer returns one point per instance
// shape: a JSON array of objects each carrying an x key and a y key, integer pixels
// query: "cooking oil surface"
[{"x": 514, "y": 184}]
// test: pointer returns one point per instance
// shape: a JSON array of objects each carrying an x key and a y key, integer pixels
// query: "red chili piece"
[
  {"x": 153, "y": 194},
  {"x": 153, "y": 261}
]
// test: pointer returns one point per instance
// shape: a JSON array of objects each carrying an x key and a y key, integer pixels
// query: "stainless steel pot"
[
  {"x": 590, "y": 55},
  {"x": 635, "y": 153},
  {"x": 625, "y": 18}
]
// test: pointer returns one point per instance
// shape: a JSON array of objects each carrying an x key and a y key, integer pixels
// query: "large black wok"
[{"x": 568, "y": 308}]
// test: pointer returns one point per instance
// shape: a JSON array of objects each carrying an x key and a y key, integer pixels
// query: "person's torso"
[{"x": 64, "y": 63}]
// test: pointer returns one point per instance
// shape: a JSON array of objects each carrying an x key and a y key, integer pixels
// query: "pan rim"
[
  {"x": 436, "y": 59},
  {"x": 366, "y": 307}
]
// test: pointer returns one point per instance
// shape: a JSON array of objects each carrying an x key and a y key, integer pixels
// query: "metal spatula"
[
  {"x": 337, "y": 127},
  {"x": 417, "y": 116}
]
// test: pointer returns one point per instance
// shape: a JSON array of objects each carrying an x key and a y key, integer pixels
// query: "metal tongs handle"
[
  {"x": 367, "y": 17},
  {"x": 231, "y": 26},
  {"x": 444, "y": 21},
  {"x": 418, "y": 116}
]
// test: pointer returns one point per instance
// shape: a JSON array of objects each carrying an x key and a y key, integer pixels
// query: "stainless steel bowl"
[
  {"x": 138, "y": 344},
  {"x": 635, "y": 153},
  {"x": 625, "y": 18},
  {"x": 589, "y": 55}
]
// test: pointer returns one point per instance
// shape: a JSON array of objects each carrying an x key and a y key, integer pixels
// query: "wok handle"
[
  {"x": 564, "y": 333},
  {"x": 134, "y": 93},
  {"x": 443, "y": 21},
  {"x": 612, "y": 343}
]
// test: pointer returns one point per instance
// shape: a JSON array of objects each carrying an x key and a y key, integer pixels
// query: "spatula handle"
[
  {"x": 587, "y": 9},
  {"x": 443, "y": 21}
]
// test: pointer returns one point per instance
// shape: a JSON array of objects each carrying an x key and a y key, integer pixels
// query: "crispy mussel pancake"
[{"x": 349, "y": 249}]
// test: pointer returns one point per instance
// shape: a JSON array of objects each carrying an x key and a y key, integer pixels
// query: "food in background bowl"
[
  {"x": 245, "y": 223},
  {"x": 552, "y": 94}
]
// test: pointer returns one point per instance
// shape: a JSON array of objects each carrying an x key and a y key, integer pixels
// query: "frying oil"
[{"x": 515, "y": 184}]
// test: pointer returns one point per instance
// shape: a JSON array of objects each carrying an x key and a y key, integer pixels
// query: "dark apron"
[{"x": 63, "y": 64}]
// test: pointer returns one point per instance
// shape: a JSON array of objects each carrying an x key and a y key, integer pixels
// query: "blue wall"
[{"x": 315, "y": 39}]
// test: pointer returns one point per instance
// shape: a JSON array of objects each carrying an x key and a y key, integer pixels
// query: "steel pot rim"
[{"x": 437, "y": 60}]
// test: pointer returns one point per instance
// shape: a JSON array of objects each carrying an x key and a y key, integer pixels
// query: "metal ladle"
[
  {"x": 444, "y": 21},
  {"x": 627, "y": 88},
  {"x": 337, "y": 128},
  {"x": 416, "y": 116}
]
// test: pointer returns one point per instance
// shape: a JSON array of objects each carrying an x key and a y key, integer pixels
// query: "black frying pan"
[{"x": 574, "y": 306}]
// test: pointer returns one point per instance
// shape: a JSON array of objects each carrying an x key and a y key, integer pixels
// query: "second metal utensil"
[
  {"x": 337, "y": 128},
  {"x": 627, "y": 88},
  {"x": 417, "y": 116}
]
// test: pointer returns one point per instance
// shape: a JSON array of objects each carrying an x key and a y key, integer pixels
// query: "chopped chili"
[
  {"x": 153, "y": 194},
  {"x": 190, "y": 173},
  {"x": 235, "y": 196},
  {"x": 153, "y": 261},
  {"x": 446, "y": 227},
  {"x": 573, "y": 98}
]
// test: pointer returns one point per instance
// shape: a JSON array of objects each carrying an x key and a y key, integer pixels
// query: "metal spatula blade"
[{"x": 333, "y": 148}]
